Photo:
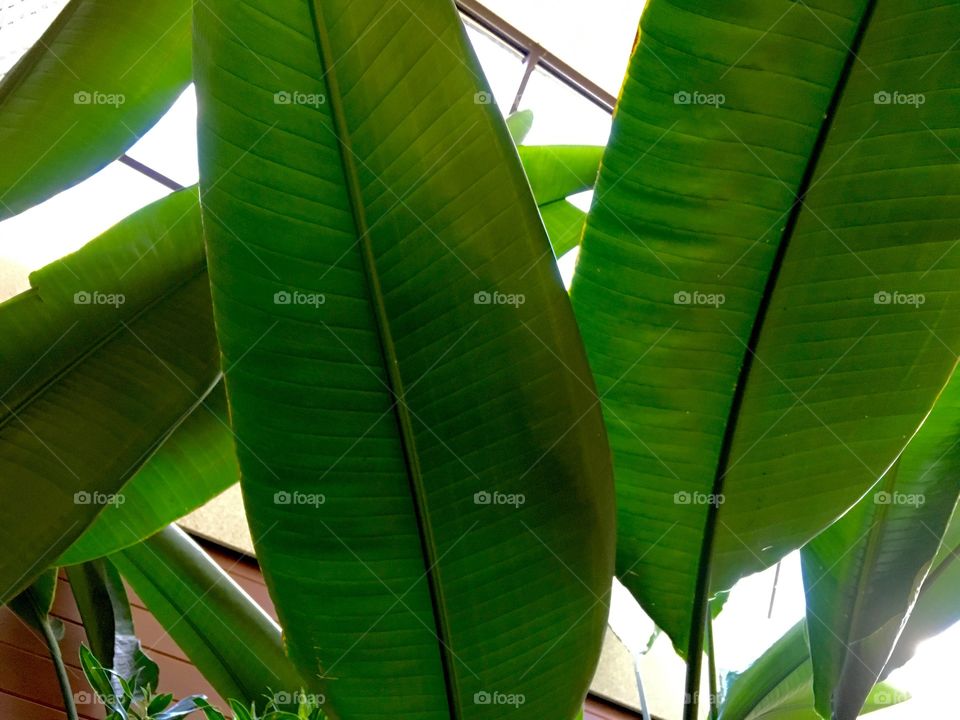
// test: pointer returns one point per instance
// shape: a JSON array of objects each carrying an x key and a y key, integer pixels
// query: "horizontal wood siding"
[{"x": 29, "y": 689}]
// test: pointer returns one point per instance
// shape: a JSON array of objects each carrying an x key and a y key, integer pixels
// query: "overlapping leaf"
[
  {"x": 193, "y": 465},
  {"x": 779, "y": 685},
  {"x": 100, "y": 76},
  {"x": 862, "y": 574},
  {"x": 102, "y": 358},
  {"x": 767, "y": 291},
  {"x": 555, "y": 172},
  {"x": 229, "y": 638},
  {"x": 422, "y": 456}
]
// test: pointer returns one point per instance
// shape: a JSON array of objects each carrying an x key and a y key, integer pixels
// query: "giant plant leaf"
[
  {"x": 106, "y": 353},
  {"x": 564, "y": 223},
  {"x": 380, "y": 401},
  {"x": 555, "y": 172},
  {"x": 863, "y": 572},
  {"x": 558, "y": 171},
  {"x": 229, "y": 638},
  {"x": 100, "y": 76},
  {"x": 196, "y": 463},
  {"x": 936, "y": 608},
  {"x": 779, "y": 685},
  {"x": 767, "y": 290}
]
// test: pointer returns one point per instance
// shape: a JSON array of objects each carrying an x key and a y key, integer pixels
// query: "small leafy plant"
[{"x": 136, "y": 697}]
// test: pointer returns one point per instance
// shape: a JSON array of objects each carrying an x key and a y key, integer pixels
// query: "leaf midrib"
[
  {"x": 873, "y": 541},
  {"x": 390, "y": 360},
  {"x": 94, "y": 345},
  {"x": 704, "y": 568}
]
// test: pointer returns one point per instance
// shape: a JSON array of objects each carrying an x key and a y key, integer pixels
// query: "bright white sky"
[{"x": 595, "y": 38}]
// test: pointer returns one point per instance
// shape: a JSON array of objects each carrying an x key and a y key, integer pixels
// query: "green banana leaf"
[
  {"x": 936, "y": 608},
  {"x": 558, "y": 171},
  {"x": 765, "y": 285},
  {"x": 108, "y": 622},
  {"x": 226, "y": 635},
  {"x": 564, "y": 223},
  {"x": 102, "y": 358},
  {"x": 555, "y": 172},
  {"x": 779, "y": 685},
  {"x": 422, "y": 457},
  {"x": 196, "y": 463},
  {"x": 519, "y": 124},
  {"x": 33, "y": 606},
  {"x": 863, "y": 572},
  {"x": 100, "y": 76}
]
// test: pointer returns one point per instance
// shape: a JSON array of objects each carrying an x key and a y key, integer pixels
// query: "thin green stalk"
[
  {"x": 65, "y": 689},
  {"x": 712, "y": 669}
]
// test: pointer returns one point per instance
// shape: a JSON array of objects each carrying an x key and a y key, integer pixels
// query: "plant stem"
[
  {"x": 645, "y": 713},
  {"x": 694, "y": 658},
  {"x": 712, "y": 670},
  {"x": 54, "y": 648}
]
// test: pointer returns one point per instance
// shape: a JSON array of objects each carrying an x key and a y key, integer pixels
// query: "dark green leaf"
[
  {"x": 196, "y": 463},
  {"x": 210, "y": 712},
  {"x": 102, "y": 358},
  {"x": 33, "y": 604},
  {"x": 108, "y": 621},
  {"x": 99, "y": 678},
  {"x": 240, "y": 711},
  {"x": 766, "y": 285},
  {"x": 361, "y": 209},
  {"x": 159, "y": 703}
]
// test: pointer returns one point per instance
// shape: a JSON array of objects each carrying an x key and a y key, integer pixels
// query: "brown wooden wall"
[{"x": 29, "y": 689}]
